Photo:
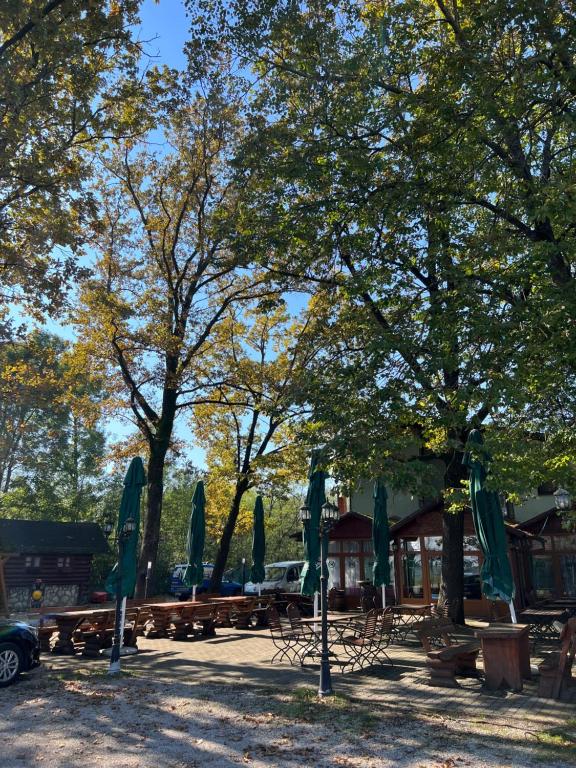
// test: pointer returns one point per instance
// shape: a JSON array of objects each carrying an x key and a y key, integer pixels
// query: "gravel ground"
[{"x": 66, "y": 720}]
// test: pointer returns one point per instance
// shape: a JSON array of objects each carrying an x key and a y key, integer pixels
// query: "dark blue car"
[
  {"x": 228, "y": 588},
  {"x": 19, "y": 650}
]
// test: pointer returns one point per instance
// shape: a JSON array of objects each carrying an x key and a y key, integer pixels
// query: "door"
[{"x": 568, "y": 572}]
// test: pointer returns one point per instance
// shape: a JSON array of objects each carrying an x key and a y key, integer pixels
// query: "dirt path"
[{"x": 80, "y": 717}]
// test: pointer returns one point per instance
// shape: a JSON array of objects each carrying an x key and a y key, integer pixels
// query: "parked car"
[
  {"x": 228, "y": 587},
  {"x": 278, "y": 577},
  {"x": 19, "y": 650}
]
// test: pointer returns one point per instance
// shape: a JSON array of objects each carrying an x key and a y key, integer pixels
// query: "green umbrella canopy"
[
  {"x": 381, "y": 536},
  {"x": 258, "y": 543},
  {"x": 194, "y": 573},
  {"x": 315, "y": 498},
  {"x": 496, "y": 574},
  {"x": 129, "y": 507}
]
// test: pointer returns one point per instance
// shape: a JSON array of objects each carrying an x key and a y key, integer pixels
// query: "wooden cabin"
[
  {"x": 52, "y": 558},
  {"x": 553, "y": 554}
]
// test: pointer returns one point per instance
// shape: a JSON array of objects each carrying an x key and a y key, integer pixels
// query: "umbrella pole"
[
  {"x": 512, "y": 613},
  {"x": 259, "y": 590},
  {"x": 383, "y": 596},
  {"x": 193, "y": 591},
  {"x": 122, "y": 622}
]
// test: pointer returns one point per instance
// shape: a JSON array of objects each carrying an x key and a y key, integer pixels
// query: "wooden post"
[{"x": 3, "y": 593}]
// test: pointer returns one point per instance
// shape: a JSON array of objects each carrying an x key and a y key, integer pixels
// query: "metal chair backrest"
[
  {"x": 273, "y": 618},
  {"x": 442, "y": 610},
  {"x": 294, "y": 616},
  {"x": 368, "y": 631},
  {"x": 386, "y": 622}
]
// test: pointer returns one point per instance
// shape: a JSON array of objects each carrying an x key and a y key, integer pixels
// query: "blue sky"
[{"x": 167, "y": 22}]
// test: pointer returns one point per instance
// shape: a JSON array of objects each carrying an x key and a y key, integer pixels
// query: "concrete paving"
[{"x": 243, "y": 658}]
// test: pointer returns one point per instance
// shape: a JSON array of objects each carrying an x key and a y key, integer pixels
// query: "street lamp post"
[
  {"x": 127, "y": 530},
  {"x": 328, "y": 516}
]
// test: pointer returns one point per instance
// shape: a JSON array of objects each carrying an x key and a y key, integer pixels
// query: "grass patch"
[
  {"x": 559, "y": 743},
  {"x": 344, "y": 714}
]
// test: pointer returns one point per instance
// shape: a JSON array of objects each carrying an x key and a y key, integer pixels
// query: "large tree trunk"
[
  {"x": 452, "y": 582},
  {"x": 151, "y": 537},
  {"x": 228, "y": 532}
]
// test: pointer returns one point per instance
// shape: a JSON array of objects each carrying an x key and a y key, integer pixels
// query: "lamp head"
[
  {"x": 562, "y": 499},
  {"x": 304, "y": 513},
  {"x": 129, "y": 527},
  {"x": 329, "y": 513}
]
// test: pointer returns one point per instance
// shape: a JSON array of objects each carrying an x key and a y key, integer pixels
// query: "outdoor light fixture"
[
  {"x": 329, "y": 513},
  {"x": 128, "y": 528},
  {"x": 562, "y": 499},
  {"x": 304, "y": 514},
  {"x": 328, "y": 516},
  {"x": 107, "y": 526}
]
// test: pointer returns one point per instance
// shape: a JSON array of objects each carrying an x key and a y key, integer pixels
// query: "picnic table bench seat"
[
  {"x": 556, "y": 669},
  {"x": 194, "y": 621},
  {"x": 451, "y": 658}
]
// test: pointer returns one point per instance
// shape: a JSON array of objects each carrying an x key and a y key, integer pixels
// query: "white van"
[{"x": 278, "y": 577}]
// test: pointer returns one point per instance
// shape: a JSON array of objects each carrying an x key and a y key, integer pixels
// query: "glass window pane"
[
  {"x": 369, "y": 567},
  {"x": 413, "y": 585},
  {"x": 333, "y": 546},
  {"x": 472, "y": 584},
  {"x": 350, "y": 545},
  {"x": 471, "y": 544},
  {"x": 351, "y": 572},
  {"x": 368, "y": 546},
  {"x": 411, "y": 545},
  {"x": 333, "y": 564},
  {"x": 565, "y": 543},
  {"x": 435, "y": 573},
  {"x": 433, "y": 543},
  {"x": 568, "y": 571},
  {"x": 543, "y": 575}
]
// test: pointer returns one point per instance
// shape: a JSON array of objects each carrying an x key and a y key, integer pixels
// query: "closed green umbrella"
[
  {"x": 381, "y": 539},
  {"x": 194, "y": 573},
  {"x": 315, "y": 498},
  {"x": 258, "y": 544},
  {"x": 496, "y": 574},
  {"x": 122, "y": 580},
  {"x": 129, "y": 508}
]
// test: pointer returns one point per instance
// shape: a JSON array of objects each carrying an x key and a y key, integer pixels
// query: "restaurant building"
[{"x": 553, "y": 555}]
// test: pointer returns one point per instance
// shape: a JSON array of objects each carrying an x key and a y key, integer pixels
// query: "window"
[
  {"x": 368, "y": 546},
  {"x": 472, "y": 584},
  {"x": 435, "y": 573},
  {"x": 350, "y": 545},
  {"x": 333, "y": 564},
  {"x": 333, "y": 546},
  {"x": 351, "y": 572},
  {"x": 543, "y": 575},
  {"x": 292, "y": 575},
  {"x": 63, "y": 562},
  {"x": 413, "y": 585},
  {"x": 32, "y": 562},
  {"x": 411, "y": 545},
  {"x": 433, "y": 543}
]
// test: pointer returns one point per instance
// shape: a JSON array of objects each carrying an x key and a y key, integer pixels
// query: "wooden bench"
[
  {"x": 185, "y": 624},
  {"x": 556, "y": 668},
  {"x": 451, "y": 658}
]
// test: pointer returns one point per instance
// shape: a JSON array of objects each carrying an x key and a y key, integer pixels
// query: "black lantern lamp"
[
  {"x": 107, "y": 526},
  {"x": 128, "y": 528},
  {"x": 562, "y": 499},
  {"x": 304, "y": 514}
]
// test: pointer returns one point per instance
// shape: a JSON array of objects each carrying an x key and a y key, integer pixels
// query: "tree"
[
  {"x": 165, "y": 279},
  {"x": 51, "y": 447},
  {"x": 350, "y": 176},
  {"x": 59, "y": 94},
  {"x": 247, "y": 423}
]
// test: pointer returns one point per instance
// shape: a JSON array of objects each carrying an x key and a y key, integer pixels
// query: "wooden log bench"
[
  {"x": 556, "y": 669},
  {"x": 447, "y": 658}
]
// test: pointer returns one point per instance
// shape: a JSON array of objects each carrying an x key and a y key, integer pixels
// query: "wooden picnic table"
[
  {"x": 541, "y": 621},
  {"x": 506, "y": 655},
  {"x": 69, "y": 622}
]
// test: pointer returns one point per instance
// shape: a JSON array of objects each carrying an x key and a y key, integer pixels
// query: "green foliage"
[
  {"x": 60, "y": 64},
  {"x": 51, "y": 449}
]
